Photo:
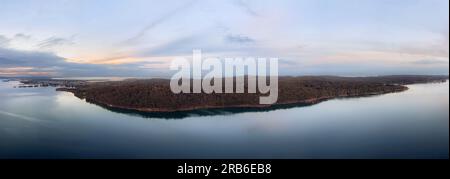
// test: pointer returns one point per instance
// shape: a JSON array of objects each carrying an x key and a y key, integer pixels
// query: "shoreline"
[
  {"x": 155, "y": 96},
  {"x": 310, "y": 101},
  {"x": 243, "y": 107}
]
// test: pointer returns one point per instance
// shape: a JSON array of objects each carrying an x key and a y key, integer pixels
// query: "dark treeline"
[{"x": 155, "y": 94}]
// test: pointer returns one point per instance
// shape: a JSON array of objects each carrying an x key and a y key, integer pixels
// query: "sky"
[{"x": 139, "y": 38}]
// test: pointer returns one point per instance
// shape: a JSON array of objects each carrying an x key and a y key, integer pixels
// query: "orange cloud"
[
  {"x": 107, "y": 60},
  {"x": 16, "y": 71}
]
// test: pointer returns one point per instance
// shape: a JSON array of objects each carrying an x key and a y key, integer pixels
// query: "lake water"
[{"x": 43, "y": 123}]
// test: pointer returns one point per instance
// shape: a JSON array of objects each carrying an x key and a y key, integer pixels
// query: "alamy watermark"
[{"x": 254, "y": 69}]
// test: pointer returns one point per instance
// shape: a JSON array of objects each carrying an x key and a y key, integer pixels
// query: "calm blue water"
[{"x": 43, "y": 123}]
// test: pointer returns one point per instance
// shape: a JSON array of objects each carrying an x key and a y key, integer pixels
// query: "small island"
[{"x": 154, "y": 95}]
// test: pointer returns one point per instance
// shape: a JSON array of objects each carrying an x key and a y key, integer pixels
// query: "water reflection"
[
  {"x": 211, "y": 112},
  {"x": 200, "y": 112}
]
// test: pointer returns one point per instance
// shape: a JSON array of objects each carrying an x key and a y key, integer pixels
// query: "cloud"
[
  {"x": 12, "y": 58},
  {"x": 124, "y": 59},
  {"x": 240, "y": 39},
  {"x": 430, "y": 62},
  {"x": 286, "y": 62},
  {"x": 376, "y": 57},
  {"x": 34, "y": 63},
  {"x": 23, "y": 71},
  {"x": 246, "y": 7},
  {"x": 178, "y": 46},
  {"x": 17, "y": 62},
  {"x": 23, "y": 41},
  {"x": 159, "y": 64},
  {"x": 54, "y": 42},
  {"x": 21, "y": 36},
  {"x": 158, "y": 21},
  {"x": 211, "y": 44},
  {"x": 4, "y": 41}
]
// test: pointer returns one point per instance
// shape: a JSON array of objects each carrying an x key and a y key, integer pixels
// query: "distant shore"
[{"x": 154, "y": 95}]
